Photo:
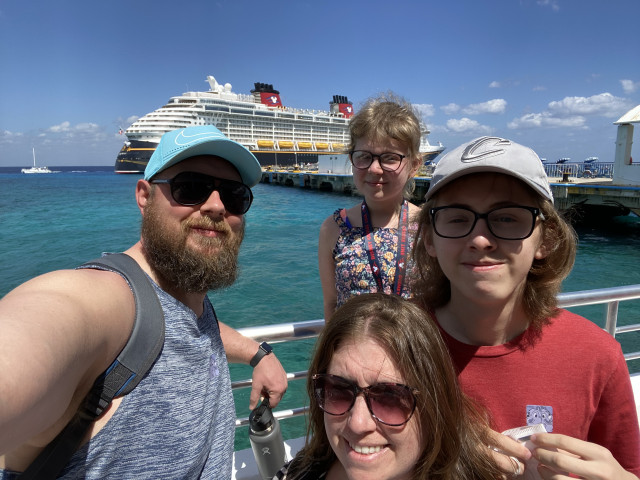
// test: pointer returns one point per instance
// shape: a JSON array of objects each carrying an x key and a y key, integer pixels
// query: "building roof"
[{"x": 632, "y": 116}]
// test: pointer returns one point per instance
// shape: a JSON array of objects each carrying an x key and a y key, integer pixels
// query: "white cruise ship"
[{"x": 277, "y": 135}]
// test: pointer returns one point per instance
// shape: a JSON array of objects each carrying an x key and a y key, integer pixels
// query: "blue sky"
[{"x": 551, "y": 74}]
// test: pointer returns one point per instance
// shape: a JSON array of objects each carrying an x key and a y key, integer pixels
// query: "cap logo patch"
[
  {"x": 483, "y": 148},
  {"x": 182, "y": 139}
]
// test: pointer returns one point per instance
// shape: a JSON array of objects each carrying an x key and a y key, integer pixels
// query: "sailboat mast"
[{"x": 34, "y": 157}]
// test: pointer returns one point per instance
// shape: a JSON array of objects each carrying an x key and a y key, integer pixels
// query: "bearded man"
[{"x": 62, "y": 330}]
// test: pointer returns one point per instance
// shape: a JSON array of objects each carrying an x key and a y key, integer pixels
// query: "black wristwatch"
[{"x": 265, "y": 349}]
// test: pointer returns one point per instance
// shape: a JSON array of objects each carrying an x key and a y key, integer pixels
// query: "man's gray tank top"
[{"x": 179, "y": 422}]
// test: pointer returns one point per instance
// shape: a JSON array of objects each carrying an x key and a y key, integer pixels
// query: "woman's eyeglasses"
[
  {"x": 390, "y": 403},
  {"x": 362, "y": 159},
  {"x": 191, "y": 188},
  {"x": 506, "y": 223}
]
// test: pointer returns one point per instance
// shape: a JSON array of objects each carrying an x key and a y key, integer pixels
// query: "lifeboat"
[
  {"x": 322, "y": 146},
  {"x": 302, "y": 144},
  {"x": 265, "y": 143},
  {"x": 337, "y": 146},
  {"x": 285, "y": 144}
]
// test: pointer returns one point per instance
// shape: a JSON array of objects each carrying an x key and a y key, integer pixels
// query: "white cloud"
[
  {"x": 573, "y": 112},
  {"x": 87, "y": 127},
  {"x": 7, "y": 136},
  {"x": 425, "y": 109},
  {"x": 549, "y": 3},
  {"x": 629, "y": 86},
  {"x": 466, "y": 125},
  {"x": 603, "y": 104},
  {"x": 450, "y": 109},
  {"x": 539, "y": 88},
  {"x": 80, "y": 128},
  {"x": 546, "y": 119},
  {"x": 63, "y": 127},
  {"x": 495, "y": 84},
  {"x": 497, "y": 105},
  {"x": 65, "y": 133},
  {"x": 125, "y": 123}
]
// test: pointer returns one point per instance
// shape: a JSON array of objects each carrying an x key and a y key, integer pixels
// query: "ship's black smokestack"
[{"x": 260, "y": 87}]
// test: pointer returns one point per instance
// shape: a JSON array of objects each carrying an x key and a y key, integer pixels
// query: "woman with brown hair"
[{"x": 385, "y": 403}]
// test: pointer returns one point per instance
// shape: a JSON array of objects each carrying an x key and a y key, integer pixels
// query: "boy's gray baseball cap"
[
  {"x": 181, "y": 144},
  {"x": 491, "y": 154}
]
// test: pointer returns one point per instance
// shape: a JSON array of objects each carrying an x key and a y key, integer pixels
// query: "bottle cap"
[{"x": 261, "y": 418}]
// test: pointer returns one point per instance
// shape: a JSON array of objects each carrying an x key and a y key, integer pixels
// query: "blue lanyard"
[{"x": 401, "y": 248}]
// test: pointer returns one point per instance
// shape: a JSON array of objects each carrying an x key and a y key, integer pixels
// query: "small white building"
[
  {"x": 625, "y": 170},
  {"x": 338, "y": 164}
]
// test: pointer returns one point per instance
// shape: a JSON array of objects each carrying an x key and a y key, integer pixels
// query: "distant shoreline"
[{"x": 63, "y": 168}]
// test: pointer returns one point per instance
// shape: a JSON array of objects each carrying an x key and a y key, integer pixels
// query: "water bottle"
[{"x": 266, "y": 440}]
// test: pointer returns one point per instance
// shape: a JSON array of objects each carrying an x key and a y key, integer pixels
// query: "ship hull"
[{"x": 135, "y": 155}]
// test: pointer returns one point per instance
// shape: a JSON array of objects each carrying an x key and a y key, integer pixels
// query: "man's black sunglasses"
[{"x": 192, "y": 188}]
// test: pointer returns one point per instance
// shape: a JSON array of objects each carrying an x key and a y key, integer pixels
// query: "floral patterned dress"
[{"x": 352, "y": 267}]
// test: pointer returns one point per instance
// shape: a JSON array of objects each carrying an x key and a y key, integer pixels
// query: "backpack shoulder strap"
[
  {"x": 122, "y": 376},
  {"x": 147, "y": 336}
]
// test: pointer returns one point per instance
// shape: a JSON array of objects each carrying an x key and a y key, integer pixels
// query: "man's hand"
[
  {"x": 510, "y": 455},
  {"x": 560, "y": 455},
  {"x": 268, "y": 380}
]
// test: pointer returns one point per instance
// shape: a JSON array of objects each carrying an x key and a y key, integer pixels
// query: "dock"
[{"x": 591, "y": 197}]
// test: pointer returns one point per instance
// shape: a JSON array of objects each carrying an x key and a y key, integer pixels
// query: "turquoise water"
[{"x": 61, "y": 220}]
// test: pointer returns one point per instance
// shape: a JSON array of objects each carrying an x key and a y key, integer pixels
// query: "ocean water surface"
[{"x": 60, "y": 220}]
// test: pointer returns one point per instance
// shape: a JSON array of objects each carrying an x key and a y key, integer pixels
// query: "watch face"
[{"x": 266, "y": 347}]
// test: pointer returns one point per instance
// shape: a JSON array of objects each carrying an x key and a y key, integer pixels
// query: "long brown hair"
[
  {"x": 452, "y": 431},
  {"x": 432, "y": 288}
]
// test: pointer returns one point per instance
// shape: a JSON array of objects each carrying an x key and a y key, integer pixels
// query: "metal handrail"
[
  {"x": 589, "y": 170},
  {"x": 284, "y": 332},
  {"x": 611, "y": 298}
]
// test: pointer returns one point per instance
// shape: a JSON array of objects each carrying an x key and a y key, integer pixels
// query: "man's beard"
[{"x": 211, "y": 267}]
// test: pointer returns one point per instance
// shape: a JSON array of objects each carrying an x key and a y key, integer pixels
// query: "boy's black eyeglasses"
[
  {"x": 388, "y": 161},
  {"x": 390, "y": 403},
  {"x": 506, "y": 223},
  {"x": 191, "y": 188}
]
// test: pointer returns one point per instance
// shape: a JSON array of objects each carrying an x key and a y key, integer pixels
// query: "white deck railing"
[{"x": 610, "y": 298}]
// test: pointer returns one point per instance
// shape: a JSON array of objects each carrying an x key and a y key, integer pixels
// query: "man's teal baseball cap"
[{"x": 181, "y": 144}]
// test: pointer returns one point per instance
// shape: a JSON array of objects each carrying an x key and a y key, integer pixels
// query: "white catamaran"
[{"x": 36, "y": 169}]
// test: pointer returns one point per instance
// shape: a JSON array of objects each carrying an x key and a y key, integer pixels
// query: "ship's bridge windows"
[{"x": 263, "y": 114}]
